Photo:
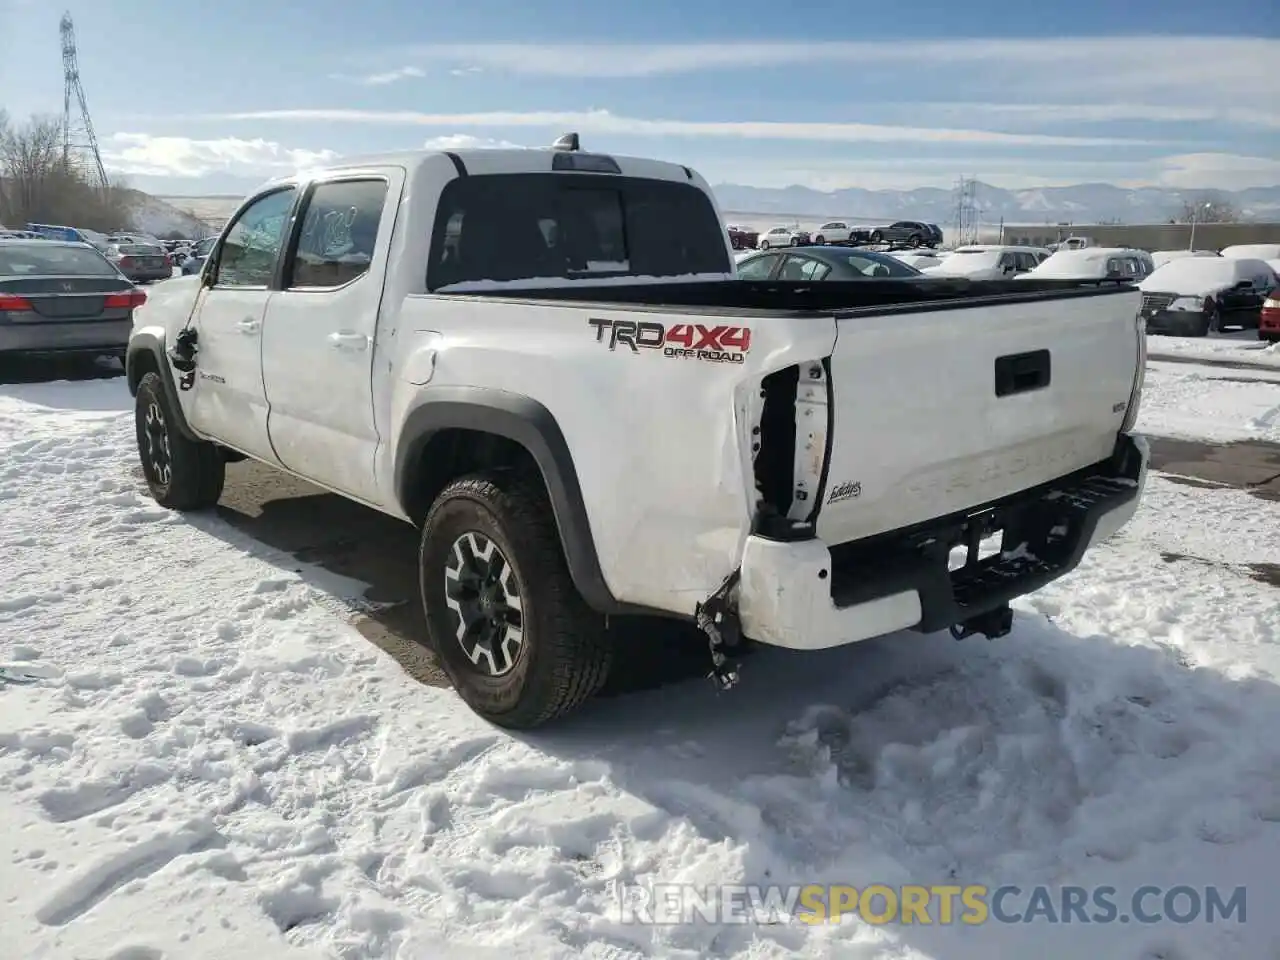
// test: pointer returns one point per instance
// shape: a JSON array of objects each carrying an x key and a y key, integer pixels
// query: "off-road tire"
[
  {"x": 565, "y": 654},
  {"x": 196, "y": 468}
]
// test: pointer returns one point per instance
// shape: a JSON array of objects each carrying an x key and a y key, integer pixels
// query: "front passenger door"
[{"x": 229, "y": 402}]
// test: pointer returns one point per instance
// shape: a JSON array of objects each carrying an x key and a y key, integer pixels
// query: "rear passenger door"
[{"x": 319, "y": 344}]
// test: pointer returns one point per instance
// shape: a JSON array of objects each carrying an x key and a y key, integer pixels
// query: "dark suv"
[{"x": 911, "y": 232}]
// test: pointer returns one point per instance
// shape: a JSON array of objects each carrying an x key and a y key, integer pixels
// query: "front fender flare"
[
  {"x": 146, "y": 350},
  {"x": 527, "y": 422}
]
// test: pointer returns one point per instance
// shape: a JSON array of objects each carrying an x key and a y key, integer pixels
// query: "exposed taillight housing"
[
  {"x": 126, "y": 300},
  {"x": 1139, "y": 376},
  {"x": 168, "y": 260},
  {"x": 125, "y": 262}
]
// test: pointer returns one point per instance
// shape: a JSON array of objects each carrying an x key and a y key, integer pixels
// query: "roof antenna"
[{"x": 568, "y": 142}]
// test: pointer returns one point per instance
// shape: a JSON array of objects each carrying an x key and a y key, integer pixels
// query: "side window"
[
  {"x": 758, "y": 268},
  {"x": 247, "y": 257},
  {"x": 1006, "y": 262},
  {"x": 814, "y": 270},
  {"x": 339, "y": 230}
]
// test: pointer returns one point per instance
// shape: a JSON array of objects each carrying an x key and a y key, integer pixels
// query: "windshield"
[{"x": 40, "y": 258}]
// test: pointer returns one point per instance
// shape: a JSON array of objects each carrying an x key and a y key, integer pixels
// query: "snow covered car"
[
  {"x": 1160, "y": 257},
  {"x": 1093, "y": 263},
  {"x": 983, "y": 262},
  {"x": 784, "y": 237},
  {"x": 486, "y": 343},
  {"x": 1253, "y": 251},
  {"x": 1197, "y": 295}
]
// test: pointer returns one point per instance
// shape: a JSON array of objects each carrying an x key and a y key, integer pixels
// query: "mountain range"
[
  {"x": 1083, "y": 203},
  {"x": 1080, "y": 204}
]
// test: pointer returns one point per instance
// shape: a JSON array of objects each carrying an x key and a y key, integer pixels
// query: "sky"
[{"x": 201, "y": 99}]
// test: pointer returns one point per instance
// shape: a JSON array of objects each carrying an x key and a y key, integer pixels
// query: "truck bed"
[{"x": 799, "y": 299}]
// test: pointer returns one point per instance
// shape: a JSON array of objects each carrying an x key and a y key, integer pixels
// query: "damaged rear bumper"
[{"x": 806, "y": 595}]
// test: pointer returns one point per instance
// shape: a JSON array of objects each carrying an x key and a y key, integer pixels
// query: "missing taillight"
[{"x": 791, "y": 449}]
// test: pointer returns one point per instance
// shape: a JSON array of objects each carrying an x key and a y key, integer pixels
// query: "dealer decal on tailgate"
[{"x": 717, "y": 344}]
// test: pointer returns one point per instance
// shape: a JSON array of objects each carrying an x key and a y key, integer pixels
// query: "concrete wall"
[{"x": 1156, "y": 236}]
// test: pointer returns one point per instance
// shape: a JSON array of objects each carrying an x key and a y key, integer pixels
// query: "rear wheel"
[
  {"x": 518, "y": 642},
  {"x": 877, "y": 237},
  {"x": 764, "y": 244},
  {"x": 182, "y": 474}
]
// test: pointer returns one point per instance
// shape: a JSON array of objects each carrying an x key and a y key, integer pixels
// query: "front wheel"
[
  {"x": 819, "y": 240},
  {"x": 764, "y": 244},
  {"x": 182, "y": 474},
  {"x": 518, "y": 642}
]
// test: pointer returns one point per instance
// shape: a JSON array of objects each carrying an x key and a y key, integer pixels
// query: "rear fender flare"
[{"x": 528, "y": 423}]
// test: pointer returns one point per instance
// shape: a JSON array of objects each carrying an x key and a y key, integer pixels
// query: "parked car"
[
  {"x": 914, "y": 233},
  {"x": 58, "y": 296},
  {"x": 1269, "y": 317},
  {"x": 141, "y": 262},
  {"x": 837, "y": 231},
  {"x": 1199, "y": 295},
  {"x": 1160, "y": 257},
  {"x": 920, "y": 261},
  {"x": 1253, "y": 251},
  {"x": 784, "y": 237},
  {"x": 743, "y": 238},
  {"x": 988, "y": 262},
  {"x": 1092, "y": 263},
  {"x": 484, "y": 419},
  {"x": 199, "y": 251},
  {"x": 822, "y": 263}
]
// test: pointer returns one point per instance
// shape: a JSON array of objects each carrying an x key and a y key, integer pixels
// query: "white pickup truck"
[{"x": 543, "y": 360}]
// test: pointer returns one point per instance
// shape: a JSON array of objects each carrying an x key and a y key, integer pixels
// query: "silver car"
[
  {"x": 141, "y": 262},
  {"x": 59, "y": 297}
]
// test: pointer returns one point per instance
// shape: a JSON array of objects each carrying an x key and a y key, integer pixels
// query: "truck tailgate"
[{"x": 941, "y": 410}]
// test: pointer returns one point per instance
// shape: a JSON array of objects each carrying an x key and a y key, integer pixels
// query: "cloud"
[
  {"x": 140, "y": 154},
  {"x": 1050, "y": 114},
  {"x": 1241, "y": 62},
  {"x": 604, "y": 122},
  {"x": 1226, "y": 171},
  {"x": 465, "y": 141},
  {"x": 382, "y": 79}
]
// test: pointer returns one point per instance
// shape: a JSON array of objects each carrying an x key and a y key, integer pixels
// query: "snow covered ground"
[
  {"x": 212, "y": 763},
  {"x": 1241, "y": 346},
  {"x": 1198, "y": 402}
]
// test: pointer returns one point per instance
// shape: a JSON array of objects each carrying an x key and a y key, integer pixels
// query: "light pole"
[{"x": 1191, "y": 244}]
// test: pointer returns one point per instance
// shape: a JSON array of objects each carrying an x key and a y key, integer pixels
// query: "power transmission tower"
[
  {"x": 966, "y": 211},
  {"x": 79, "y": 142}
]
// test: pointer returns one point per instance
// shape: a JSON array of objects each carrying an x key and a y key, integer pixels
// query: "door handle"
[
  {"x": 348, "y": 341},
  {"x": 248, "y": 326}
]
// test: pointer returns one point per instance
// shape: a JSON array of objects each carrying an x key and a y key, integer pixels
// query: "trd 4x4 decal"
[{"x": 717, "y": 344}]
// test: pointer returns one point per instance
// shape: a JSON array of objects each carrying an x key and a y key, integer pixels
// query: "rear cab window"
[{"x": 572, "y": 227}]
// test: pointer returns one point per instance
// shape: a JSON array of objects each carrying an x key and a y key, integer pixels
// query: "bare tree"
[
  {"x": 1207, "y": 209},
  {"x": 39, "y": 187}
]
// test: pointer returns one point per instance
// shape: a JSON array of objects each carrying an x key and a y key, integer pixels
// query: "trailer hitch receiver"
[{"x": 993, "y": 624}]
